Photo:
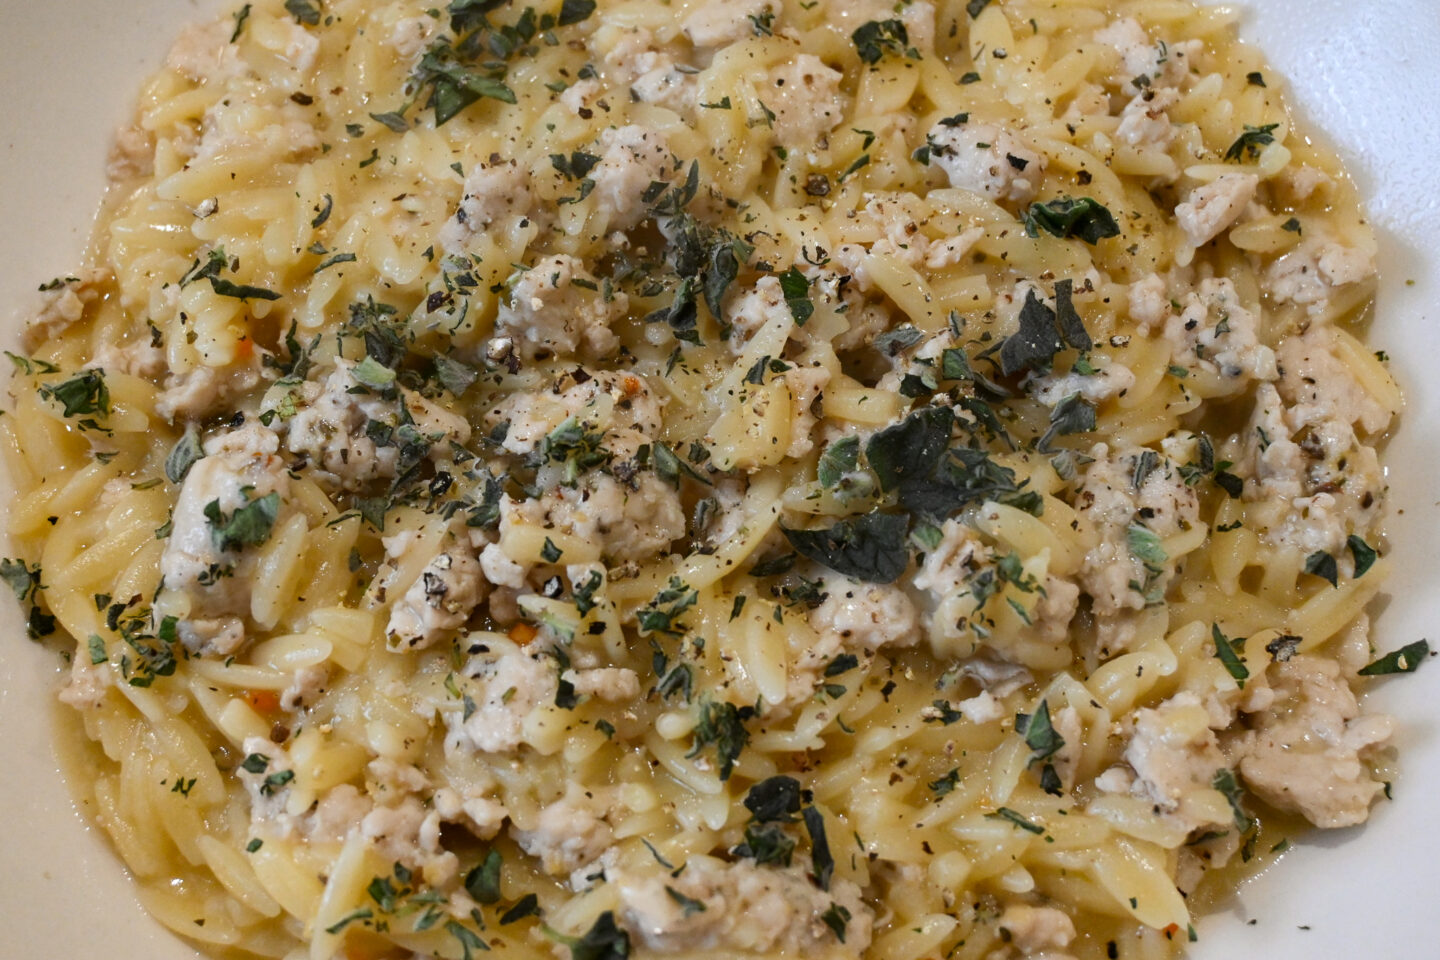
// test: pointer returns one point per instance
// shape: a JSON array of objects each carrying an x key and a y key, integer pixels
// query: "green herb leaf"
[
  {"x": 909, "y": 450},
  {"x": 1228, "y": 652},
  {"x": 774, "y": 800},
  {"x": 946, "y": 783},
  {"x": 1248, "y": 144},
  {"x": 1073, "y": 414},
  {"x": 304, "y": 11},
  {"x": 575, "y": 11},
  {"x": 241, "y": 291},
  {"x": 837, "y": 918},
  {"x": 1005, "y": 813},
  {"x": 526, "y": 906},
  {"x": 84, "y": 394},
  {"x": 767, "y": 843},
  {"x": 1041, "y": 736},
  {"x": 1225, "y": 781},
  {"x": 1067, "y": 217},
  {"x": 1323, "y": 565},
  {"x": 797, "y": 295},
  {"x": 1405, "y": 660},
  {"x": 872, "y": 548},
  {"x": 183, "y": 455},
  {"x": 248, "y": 526},
  {"x": 840, "y": 458},
  {"x": 688, "y": 905},
  {"x": 875, "y": 38},
  {"x": 1363, "y": 553},
  {"x": 483, "y": 881},
  {"x": 820, "y": 858},
  {"x": 722, "y": 725}
]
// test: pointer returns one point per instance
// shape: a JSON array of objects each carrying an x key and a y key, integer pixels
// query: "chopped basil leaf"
[
  {"x": 82, "y": 395},
  {"x": 767, "y": 843},
  {"x": 241, "y": 16}
]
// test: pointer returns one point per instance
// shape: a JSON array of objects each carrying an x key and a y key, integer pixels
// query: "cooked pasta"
[{"x": 711, "y": 478}]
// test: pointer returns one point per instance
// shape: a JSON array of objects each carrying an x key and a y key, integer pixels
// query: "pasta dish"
[{"x": 714, "y": 478}]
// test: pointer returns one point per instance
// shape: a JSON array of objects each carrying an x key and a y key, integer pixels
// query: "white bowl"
[{"x": 1364, "y": 74}]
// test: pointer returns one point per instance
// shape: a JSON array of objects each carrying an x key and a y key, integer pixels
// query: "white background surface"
[{"x": 1368, "y": 74}]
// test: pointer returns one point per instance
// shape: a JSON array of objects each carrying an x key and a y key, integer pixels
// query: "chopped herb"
[
  {"x": 84, "y": 394},
  {"x": 767, "y": 843},
  {"x": 1248, "y": 144},
  {"x": 1067, "y": 217},
  {"x": 575, "y": 11},
  {"x": 1034, "y": 345},
  {"x": 872, "y": 547},
  {"x": 549, "y": 552},
  {"x": 688, "y": 905},
  {"x": 662, "y": 613},
  {"x": 183, "y": 455},
  {"x": 603, "y": 941},
  {"x": 241, "y": 16},
  {"x": 1255, "y": 78},
  {"x": 797, "y": 289},
  {"x": 861, "y": 161},
  {"x": 1228, "y": 651},
  {"x": 723, "y": 725},
  {"x": 1005, "y": 813},
  {"x": 1146, "y": 547},
  {"x": 877, "y": 37},
  {"x": 840, "y": 458},
  {"x": 973, "y": 7},
  {"x": 946, "y": 783},
  {"x": 605, "y": 727},
  {"x": 241, "y": 291},
  {"x": 483, "y": 882},
  {"x": 324, "y": 213},
  {"x": 1283, "y": 647},
  {"x": 837, "y": 918},
  {"x": 469, "y": 940},
  {"x": 1405, "y": 660},
  {"x": 255, "y": 844},
  {"x": 393, "y": 121},
  {"x": 96, "y": 646},
  {"x": 1073, "y": 414},
  {"x": 248, "y": 526},
  {"x": 1292, "y": 226},
  {"x": 1040, "y": 735},
  {"x": 527, "y": 906},
  {"x": 1323, "y": 565},
  {"x": 1225, "y": 781},
  {"x": 364, "y": 913},
  {"x": 774, "y": 800},
  {"x": 333, "y": 260},
  {"x": 304, "y": 11},
  {"x": 21, "y": 577},
  {"x": 820, "y": 859},
  {"x": 907, "y": 451},
  {"x": 1364, "y": 554}
]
